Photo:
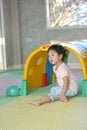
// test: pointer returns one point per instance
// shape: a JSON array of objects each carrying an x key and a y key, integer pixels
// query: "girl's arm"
[{"x": 63, "y": 97}]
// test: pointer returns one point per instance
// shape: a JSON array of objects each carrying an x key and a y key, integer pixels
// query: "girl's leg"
[
  {"x": 53, "y": 95},
  {"x": 70, "y": 93},
  {"x": 40, "y": 101}
]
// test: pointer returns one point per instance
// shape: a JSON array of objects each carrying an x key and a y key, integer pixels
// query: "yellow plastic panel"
[{"x": 34, "y": 68}]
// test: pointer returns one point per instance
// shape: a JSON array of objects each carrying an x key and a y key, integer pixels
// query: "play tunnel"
[{"x": 38, "y": 70}]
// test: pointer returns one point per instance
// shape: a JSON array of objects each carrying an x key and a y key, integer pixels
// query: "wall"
[{"x": 34, "y": 32}]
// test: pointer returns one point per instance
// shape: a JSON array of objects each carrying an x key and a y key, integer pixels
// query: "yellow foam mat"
[{"x": 19, "y": 115}]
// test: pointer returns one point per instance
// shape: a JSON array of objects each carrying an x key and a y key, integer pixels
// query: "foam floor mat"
[{"x": 19, "y": 115}]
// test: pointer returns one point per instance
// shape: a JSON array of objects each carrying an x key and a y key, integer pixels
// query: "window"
[{"x": 66, "y": 13}]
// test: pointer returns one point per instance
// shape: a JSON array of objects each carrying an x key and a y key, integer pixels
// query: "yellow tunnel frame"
[{"x": 35, "y": 66}]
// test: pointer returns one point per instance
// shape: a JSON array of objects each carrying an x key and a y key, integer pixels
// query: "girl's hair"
[{"x": 59, "y": 49}]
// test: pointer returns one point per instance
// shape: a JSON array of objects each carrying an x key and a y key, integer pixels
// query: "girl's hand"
[{"x": 63, "y": 98}]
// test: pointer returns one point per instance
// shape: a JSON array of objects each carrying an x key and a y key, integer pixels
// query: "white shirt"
[{"x": 62, "y": 71}]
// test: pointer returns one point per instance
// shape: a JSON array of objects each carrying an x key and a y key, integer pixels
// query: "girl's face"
[{"x": 54, "y": 57}]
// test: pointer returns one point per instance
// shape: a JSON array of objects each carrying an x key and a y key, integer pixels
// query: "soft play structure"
[{"x": 38, "y": 70}]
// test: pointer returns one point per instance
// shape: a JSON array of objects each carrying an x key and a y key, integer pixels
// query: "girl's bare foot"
[{"x": 35, "y": 102}]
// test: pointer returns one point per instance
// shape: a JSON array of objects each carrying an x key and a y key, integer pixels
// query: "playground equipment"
[{"x": 38, "y": 67}]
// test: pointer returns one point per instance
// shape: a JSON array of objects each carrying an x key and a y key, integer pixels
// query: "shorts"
[{"x": 56, "y": 92}]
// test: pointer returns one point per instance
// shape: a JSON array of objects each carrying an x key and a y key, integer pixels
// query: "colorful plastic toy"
[
  {"x": 13, "y": 91},
  {"x": 37, "y": 64},
  {"x": 44, "y": 80}
]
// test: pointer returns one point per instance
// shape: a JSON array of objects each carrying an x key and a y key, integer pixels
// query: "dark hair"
[{"x": 59, "y": 49}]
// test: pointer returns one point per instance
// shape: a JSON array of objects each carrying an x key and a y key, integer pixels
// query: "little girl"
[{"x": 66, "y": 83}]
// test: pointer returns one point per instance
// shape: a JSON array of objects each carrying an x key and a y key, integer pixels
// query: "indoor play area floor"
[{"x": 17, "y": 114}]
